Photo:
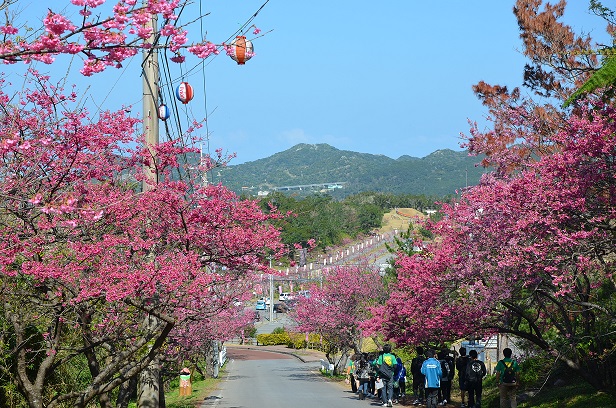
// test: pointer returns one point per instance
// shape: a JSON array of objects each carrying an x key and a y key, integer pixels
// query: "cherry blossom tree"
[
  {"x": 529, "y": 251},
  {"x": 337, "y": 306},
  {"x": 530, "y": 254},
  {"x": 104, "y": 33},
  {"x": 95, "y": 274}
]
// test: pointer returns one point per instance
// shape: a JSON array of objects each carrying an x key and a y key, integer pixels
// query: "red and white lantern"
[
  {"x": 184, "y": 92},
  {"x": 241, "y": 50}
]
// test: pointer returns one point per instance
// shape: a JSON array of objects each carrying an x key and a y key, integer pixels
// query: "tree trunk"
[
  {"x": 149, "y": 386},
  {"x": 128, "y": 391}
]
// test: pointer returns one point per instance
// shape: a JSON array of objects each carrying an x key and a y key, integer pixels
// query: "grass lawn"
[
  {"x": 200, "y": 391},
  {"x": 574, "y": 394},
  {"x": 578, "y": 395}
]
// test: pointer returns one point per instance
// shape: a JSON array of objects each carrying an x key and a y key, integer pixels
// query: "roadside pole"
[
  {"x": 271, "y": 293},
  {"x": 148, "y": 389}
]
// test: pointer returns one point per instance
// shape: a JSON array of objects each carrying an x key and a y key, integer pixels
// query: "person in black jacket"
[
  {"x": 447, "y": 366},
  {"x": 418, "y": 378},
  {"x": 475, "y": 371},
  {"x": 461, "y": 363}
]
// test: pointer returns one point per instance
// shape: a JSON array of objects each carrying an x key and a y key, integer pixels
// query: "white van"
[{"x": 286, "y": 296}]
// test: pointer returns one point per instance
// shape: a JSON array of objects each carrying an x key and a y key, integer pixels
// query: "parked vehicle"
[
  {"x": 284, "y": 296},
  {"x": 281, "y": 308},
  {"x": 261, "y": 305},
  {"x": 304, "y": 293}
]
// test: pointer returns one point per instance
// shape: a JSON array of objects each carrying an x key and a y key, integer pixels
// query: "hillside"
[{"x": 438, "y": 174}]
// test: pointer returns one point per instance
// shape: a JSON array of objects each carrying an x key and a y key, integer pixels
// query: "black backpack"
[
  {"x": 474, "y": 372},
  {"x": 385, "y": 370},
  {"x": 461, "y": 364},
  {"x": 416, "y": 364},
  {"x": 508, "y": 373},
  {"x": 446, "y": 370}
]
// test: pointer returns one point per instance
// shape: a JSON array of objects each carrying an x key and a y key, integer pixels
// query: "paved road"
[
  {"x": 264, "y": 325},
  {"x": 262, "y": 379}
]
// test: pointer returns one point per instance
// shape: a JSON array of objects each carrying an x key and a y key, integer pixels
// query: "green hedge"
[
  {"x": 273, "y": 339},
  {"x": 291, "y": 340}
]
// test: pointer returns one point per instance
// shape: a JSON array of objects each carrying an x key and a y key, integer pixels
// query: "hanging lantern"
[
  {"x": 184, "y": 92},
  {"x": 163, "y": 112},
  {"x": 241, "y": 50}
]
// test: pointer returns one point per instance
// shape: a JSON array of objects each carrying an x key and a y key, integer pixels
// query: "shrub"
[
  {"x": 250, "y": 331},
  {"x": 297, "y": 340},
  {"x": 273, "y": 339}
]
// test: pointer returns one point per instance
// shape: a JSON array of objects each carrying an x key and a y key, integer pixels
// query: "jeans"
[
  {"x": 387, "y": 391},
  {"x": 364, "y": 385},
  {"x": 431, "y": 397}
]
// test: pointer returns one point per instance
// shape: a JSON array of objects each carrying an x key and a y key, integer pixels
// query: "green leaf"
[{"x": 603, "y": 77}]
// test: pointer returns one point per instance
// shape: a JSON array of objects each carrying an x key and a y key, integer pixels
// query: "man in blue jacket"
[{"x": 431, "y": 369}]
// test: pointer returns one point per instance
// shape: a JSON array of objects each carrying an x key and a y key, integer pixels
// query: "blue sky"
[{"x": 391, "y": 77}]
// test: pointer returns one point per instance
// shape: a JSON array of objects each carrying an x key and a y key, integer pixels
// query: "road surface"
[{"x": 262, "y": 379}]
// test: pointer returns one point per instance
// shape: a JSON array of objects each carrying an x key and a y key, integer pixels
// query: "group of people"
[
  {"x": 380, "y": 376},
  {"x": 384, "y": 377}
]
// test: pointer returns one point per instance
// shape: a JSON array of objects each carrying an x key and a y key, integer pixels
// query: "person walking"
[
  {"x": 418, "y": 378},
  {"x": 399, "y": 380},
  {"x": 385, "y": 365},
  {"x": 432, "y": 371},
  {"x": 507, "y": 378},
  {"x": 475, "y": 371},
  {"x": 350, "y": 373},
  {"x": 461, "y": 363},
  {"x": 363, "y": 371},
  {"x": 444, "y": 394},
  {"x": 372, "y": 386}
]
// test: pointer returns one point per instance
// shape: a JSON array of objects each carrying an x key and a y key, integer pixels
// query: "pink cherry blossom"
[{"x": 99, "y": 256}]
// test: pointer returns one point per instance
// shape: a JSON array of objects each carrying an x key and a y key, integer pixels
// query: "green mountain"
[{"x": 308, "y": 168}]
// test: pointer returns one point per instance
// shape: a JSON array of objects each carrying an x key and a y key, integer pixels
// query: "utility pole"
[
  {"x": 271, "y": 292},
  {"x": 149, "y": 381},
  {"x": 150, "y": 76}
]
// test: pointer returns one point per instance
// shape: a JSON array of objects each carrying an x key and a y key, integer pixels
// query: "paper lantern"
[
  {"x": 241, "y": 50},
  {"x": 184, "y": 92},
  {"x": 163, "y": 112}
]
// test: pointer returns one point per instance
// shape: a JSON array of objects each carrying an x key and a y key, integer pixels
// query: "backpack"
[
  {"x": 508, "y": 374},
  {"x": 363, "y": 369},
  {"x": 386, "y": 368},
  {"x": 474, "y": 372},
  {"x": 461, "y": 363},
  {"x": 446, "y": 370},
  {"x": 416, "y": 364}
]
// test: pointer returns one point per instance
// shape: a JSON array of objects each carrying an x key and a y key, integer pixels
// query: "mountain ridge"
[{"x": 438, "y": 174}]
